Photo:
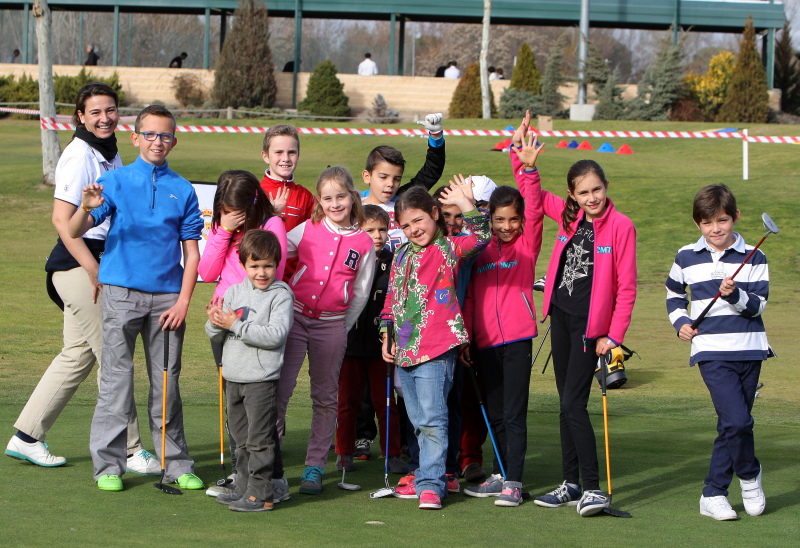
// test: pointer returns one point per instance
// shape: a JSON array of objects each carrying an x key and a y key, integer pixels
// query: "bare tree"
[
  {"x": 51, "y": 148},
  {"x": 486, "y": 105}
]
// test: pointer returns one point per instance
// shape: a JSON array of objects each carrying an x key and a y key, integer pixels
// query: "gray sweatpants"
[{"x": 128, "y": 313}]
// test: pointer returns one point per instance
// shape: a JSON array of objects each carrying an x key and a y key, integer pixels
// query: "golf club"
[
  {"x": 161, "y": 485},
  {"x": 342, "y": 484},
  {"x": 225, "y": 481},
  {"x": 546, "y": 333},
  {"x": 550, "y": 355},
  {"x": 387, "y": 491},
  {"x": 772, "y": 228},
  {"x": 610, "y": 511},
  {"x": 486, "y": 419}
]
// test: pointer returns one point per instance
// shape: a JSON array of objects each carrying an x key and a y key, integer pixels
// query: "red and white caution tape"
[
  {"x": 49, "y": 123},
  {"x": 62, "y": 119}
]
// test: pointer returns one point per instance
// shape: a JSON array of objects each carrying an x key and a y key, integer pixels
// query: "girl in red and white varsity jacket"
[
  {"x": 335, "y": 265},
  {"x": 498, "y": 313},
  {"x": 428, "y": 326},
  {"x": 589, "y": 296}
]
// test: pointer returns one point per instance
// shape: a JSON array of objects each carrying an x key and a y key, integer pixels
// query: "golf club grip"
[
  {"x": 475, "y": 385},
  {"x": 702, "y": 315}
]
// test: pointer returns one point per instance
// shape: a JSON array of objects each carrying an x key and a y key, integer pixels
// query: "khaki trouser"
[{"x": 83, "y": 343}]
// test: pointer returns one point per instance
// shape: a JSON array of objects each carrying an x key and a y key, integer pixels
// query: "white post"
[
  {"x": 745, "y": 158},
  {"x": 484, "y": 64},
  {"x": 51, "y": 148}
]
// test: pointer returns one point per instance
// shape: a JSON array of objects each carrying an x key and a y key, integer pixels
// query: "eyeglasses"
[{"x": 166, "y": 138}]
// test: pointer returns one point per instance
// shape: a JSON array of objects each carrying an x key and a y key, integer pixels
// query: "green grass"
[{"x": 662, "y": 422}]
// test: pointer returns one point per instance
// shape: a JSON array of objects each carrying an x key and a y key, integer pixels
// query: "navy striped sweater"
[{"x": 733, "y": 329}]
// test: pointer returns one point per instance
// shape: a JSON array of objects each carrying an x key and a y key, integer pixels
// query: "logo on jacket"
[
  {"x": 173, "y": 196},
  {"x": 563, "y": 239},
  {"x": 603, "y": 249},
  {"x": 242, "y": 313},
  {"x": 352, "y": 259}
]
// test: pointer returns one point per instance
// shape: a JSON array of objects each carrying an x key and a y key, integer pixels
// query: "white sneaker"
[
  {"x": 718, "y": 508},
  {"x": 280, "y": 490},
  {"x": 592, "y": 502},
  {"x": 38, "y": 453},
  {"x": 215, "y": 490},
  {"x": 144, "y": 463},
  {"x": 753, "y": 495}
]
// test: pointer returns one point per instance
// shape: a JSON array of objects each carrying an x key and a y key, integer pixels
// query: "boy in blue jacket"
[{"x": 154, "y": 216}]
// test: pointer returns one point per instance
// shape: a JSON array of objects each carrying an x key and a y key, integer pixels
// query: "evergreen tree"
[
  {"x": 611, "y": 106},
  {"x": 787, "y": 71},
  {"x": 661, "y": 84},
  {"x": 549, "y": 102},
  {"x": 466, "y": 101},
  {"x": 597, "y": 71},
  {"x": 746, "y": 99},
  {"x": 244, "y": 77},
  {"x": 514, "y": 103},
  {"x": 380, "y": 113},
  {"x": 325, "y": 94},
  {"x": 526, "y": 75}
]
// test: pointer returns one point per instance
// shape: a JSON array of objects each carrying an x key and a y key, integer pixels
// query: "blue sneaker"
[
  {"x": 492, "y": 487},
  {"x": 563, "y": 495},
  {"x": 592, "y": 502},
  {"x": 311, "y": 482}
]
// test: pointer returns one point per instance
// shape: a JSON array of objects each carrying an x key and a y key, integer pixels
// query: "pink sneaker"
[
  {"x": 429, "y": 500},
  {"x": 405, "y": 480},
  {"x": 408, "y": 491},
  {"x": 452, "y": 484}
]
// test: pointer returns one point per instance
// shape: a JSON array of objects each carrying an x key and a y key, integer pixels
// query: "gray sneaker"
[
  {"x": 348, "y": 463},
  {"x": 215, "y": 490},
  {"x": 250, "y": 504},
  {"x": 311, "y": 482},
  {"x": 492, "y": 487},
  {"x": 397, "y": 466},
  {"x": 280, "y": 490},
  {"x": 228, "y": 498},
  {"x": 511, "y": 494}
]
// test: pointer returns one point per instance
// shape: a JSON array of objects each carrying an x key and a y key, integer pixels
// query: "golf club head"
[
  {"x": 168, "y": 489},
  {"x": 616, "y": 513},
  {"x": 382, "y": 493},
  {"x": 349, "y": 486},
  {"x": 224, "y": 482},
  {"x": 769, "y": 224}
]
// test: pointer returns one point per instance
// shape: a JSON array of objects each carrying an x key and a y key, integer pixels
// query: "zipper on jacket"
[
  {"x": 345, "y": 293},
  {"x": 497, "y": 270},
  {"x": 153, "y": 202},
  {"x": 297, "y": 276}
]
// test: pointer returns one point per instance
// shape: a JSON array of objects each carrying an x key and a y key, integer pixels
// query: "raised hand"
[
  {"x": 519, "y": 136},
  {"x": 432, "y": 122},
  {"x": 529, "y": 152},
  {"x": 280, "y": 200},
  {"x": 92, "y": 196},
  {"x": 232, "y": 220},
  {"x": 459, "y": 193}
]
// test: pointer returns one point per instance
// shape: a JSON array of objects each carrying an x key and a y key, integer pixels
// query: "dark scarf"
[{"x": 107, "y": 147}]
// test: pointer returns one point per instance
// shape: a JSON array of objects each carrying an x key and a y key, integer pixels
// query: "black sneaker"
[
  {"x": 397, "y": 466},
  {"x": 363, "y": 449}
]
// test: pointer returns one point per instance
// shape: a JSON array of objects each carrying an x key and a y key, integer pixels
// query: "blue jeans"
[
  {"x": 425, "y": 388},
  {"x": 732, "y": 386}
]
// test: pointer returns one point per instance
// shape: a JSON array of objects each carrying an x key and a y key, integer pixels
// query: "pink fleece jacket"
[
  {"x": 221, "y": 256},
  {"x": 499, "y": 306},
  {"x": 614, "y": 279}
]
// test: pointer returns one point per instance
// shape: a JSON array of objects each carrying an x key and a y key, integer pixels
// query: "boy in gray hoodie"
[{"x": 253, "y": 321}]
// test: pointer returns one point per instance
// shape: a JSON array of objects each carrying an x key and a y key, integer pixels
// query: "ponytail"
[{"x": 578, "y": 171}]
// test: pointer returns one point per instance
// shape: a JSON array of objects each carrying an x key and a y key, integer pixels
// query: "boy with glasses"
[{"x": 154, "y": 216}]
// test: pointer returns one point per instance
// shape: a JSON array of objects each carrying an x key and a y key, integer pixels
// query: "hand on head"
[{"x": 459, "y": 193}]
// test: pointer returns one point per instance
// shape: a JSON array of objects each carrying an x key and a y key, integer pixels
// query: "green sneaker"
[
  {"x": 190, "y": 482},
  {"x": 109, "y": 482}
]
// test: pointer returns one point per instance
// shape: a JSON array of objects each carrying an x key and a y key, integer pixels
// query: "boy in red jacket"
[{"x": 293, "y": 202}]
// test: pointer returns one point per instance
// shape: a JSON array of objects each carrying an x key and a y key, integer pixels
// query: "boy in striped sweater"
[{"x": 728, "y": 346}]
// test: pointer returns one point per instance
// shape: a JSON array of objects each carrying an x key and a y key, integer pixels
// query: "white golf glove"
[{"x": 432, "y": 122}]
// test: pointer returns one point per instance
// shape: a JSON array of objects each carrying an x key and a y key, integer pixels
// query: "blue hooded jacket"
[{"x": 153, "y": 210}]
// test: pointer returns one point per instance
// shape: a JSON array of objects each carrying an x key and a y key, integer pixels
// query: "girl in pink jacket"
[
  {"x": 335, "y": 265},
  {"x": 239, "y": 205},
  {"x": 589, "y": 296},
  {"x": 428, "y": 326},
  {"x": 498, "y": 313}
]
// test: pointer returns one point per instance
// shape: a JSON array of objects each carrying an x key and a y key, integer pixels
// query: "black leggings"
[
  {"x": 505, "y": 372},
  {"x": 277, "y": 467},
  {"x": 574, "y": 369}
]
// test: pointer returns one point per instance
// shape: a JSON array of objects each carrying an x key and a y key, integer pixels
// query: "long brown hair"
[
  {"x": 90, "y": 90},
  {"x": 417, "y": 197},
  {"x": 238, "y": 190},
  {"x": 578, "y": 171},
  {"x": 340, "y": 176}
]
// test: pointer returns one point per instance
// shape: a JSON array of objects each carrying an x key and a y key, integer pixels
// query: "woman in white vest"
[{"x": 72, "y": 284}]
